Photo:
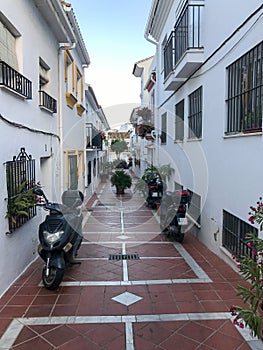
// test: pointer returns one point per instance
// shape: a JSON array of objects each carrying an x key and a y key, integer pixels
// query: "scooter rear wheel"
[{"x": 53, "y": 279}]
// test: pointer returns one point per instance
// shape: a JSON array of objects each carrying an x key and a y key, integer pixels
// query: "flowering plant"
[{"x": 251, "y": 267}]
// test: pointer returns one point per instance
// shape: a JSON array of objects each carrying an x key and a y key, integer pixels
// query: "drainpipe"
[
  {"x": 63, "y": 47},
  {"x": 156, "y": 107}
]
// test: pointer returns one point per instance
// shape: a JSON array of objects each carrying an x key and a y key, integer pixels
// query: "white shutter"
[{"x": 8, "y": 47}]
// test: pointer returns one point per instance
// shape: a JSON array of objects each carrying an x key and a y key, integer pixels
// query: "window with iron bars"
[
  {"x": 245, "y": 97},
  {"x": 20, "y": 179},
  {"x": 234, "y": 231},
  {"x": 195, "y": 114},
  {"x": 179, "y": 121},
  {"x": 195, "y": 206}
]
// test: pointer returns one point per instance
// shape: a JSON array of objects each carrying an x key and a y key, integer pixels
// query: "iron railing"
[
  {"x": 185, "y": 36},
  {"x": 20, "y": 178},
  {"x": 245, "y": 92},
  {"x": 169, "y": 55},
  {"x": 15, "y": 81},
  {"x": 195, "y": 114},
  {"x": 47, "y": 102},
  {"x": 94, "y": 139},
  {"x": 234, "y": 231}
]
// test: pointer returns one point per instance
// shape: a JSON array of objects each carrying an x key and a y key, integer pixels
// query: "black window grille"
[
  {"x": 15, "y": 81},
  {"x": 245, "y": 92},
  {"x": 164, "y": 128},
  {"x": 234, "y": 231},
  {"x": 194, "y": 209},
  {"x": 168, "y": 55},
  {"x": 195, "y": 114},
  {"x": 20, "y": 179},
  {"x": 47, "y": 102},
  {"x": 89, "y": 173},
  {"x": 179, "y": 121}
]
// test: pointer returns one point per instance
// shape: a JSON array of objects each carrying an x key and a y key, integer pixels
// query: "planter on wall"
[
  {"x": 80, "y": 109},
  {"x": 70, "y": 99}
]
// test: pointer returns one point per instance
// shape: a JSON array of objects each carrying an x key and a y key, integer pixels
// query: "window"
[
  {"x": 79, "y": 85},
  {"x": 245, "y": 97},
  {"x": 20, "y": 179},
  {"x": 45, "y": 101},
  {"x": 195, "y": 114},
  {"x": 69, "y": 71},
  {"x": 195, "y": 206},
  {"x": 73, "y": 172},
  {"x": 163, "y": 52},
  {"x": 234, "y": 231},
  {"x": 8, "y": 36},
  {"x": 164, "y": 128},
  {"x": 168, "y": 55},
  {"x": 179, "y": 121}
]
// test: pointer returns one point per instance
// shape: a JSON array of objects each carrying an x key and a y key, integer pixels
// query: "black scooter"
[
  {"x": 60, "y": 235},
  {"x": 173, "y": 213}
]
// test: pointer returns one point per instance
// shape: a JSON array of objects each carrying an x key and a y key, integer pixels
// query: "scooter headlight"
[{"x": 52, "y": 237}]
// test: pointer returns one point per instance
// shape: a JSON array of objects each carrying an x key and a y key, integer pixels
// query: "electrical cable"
[{"x": 21, "y": 126}]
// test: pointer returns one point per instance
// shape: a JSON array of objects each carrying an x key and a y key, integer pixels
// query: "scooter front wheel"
[{"x": 53, "y": 278}]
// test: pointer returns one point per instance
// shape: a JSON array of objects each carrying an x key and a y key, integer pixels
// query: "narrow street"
[{"x": 135, "y": 289}]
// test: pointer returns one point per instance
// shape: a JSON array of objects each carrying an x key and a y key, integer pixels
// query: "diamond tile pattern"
[
  {"x": 127, "y": 298},
  {"x": 133, "y": 304}
]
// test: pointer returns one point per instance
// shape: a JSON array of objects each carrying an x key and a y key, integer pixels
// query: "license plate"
[
  {"x": 182, "y": 221},
  {"x": 154, "y": 194}
]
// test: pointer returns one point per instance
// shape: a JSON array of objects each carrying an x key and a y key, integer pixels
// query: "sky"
[{"x": 113, "y": 32}]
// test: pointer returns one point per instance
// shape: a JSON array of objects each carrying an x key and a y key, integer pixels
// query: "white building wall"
[
  {"x": 224, "y": 170},
  {"x": 19, "y": 249}
]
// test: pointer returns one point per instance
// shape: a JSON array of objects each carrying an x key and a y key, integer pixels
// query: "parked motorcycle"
[
  {"x": 155, "y": 192},
  {"x": 173, "y": 213},
  {"x": 60, "y": 235}
]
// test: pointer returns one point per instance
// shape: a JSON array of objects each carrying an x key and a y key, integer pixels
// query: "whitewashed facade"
[
  {"x": 96, "y": 152},
  {"x": 43, "y": 112},
  {"x": 209, "y": 100}
]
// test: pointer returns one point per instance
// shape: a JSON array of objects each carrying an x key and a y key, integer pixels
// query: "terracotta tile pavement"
[{"x": 171, "y": 291}]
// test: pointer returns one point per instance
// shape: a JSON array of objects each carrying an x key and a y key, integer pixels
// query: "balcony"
[
  {"x": 13, "y": 81},
  {"x": 184, "y": 52},
  {"x": 47, "y": 102},
  {"x": 93, "y": 138}
]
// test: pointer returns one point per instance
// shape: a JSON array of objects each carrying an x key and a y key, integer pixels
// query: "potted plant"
[
  {"x": 121, "y": 180},
  {"x": 251, "y": 267},
  {"x": 141, "y": 186},
  {"x": 21, "y": 203}
]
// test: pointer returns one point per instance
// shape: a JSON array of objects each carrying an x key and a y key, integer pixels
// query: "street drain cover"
[{"x": 124, "y": 257}]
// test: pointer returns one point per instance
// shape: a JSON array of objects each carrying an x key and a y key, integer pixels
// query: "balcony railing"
[
  {"x": 94, "y": 140},
  {"x": 47, "y": 102},
  {"x": 169, "y": 55},
  {"x": 14, "y": 81},
  {"x": 188, "y": 30},
  {"x": 185, "y": 36}
]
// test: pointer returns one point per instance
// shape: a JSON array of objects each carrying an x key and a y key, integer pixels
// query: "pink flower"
[
  {"x": 235, "y": 321},
  {"x": 241, "y": 324}
]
